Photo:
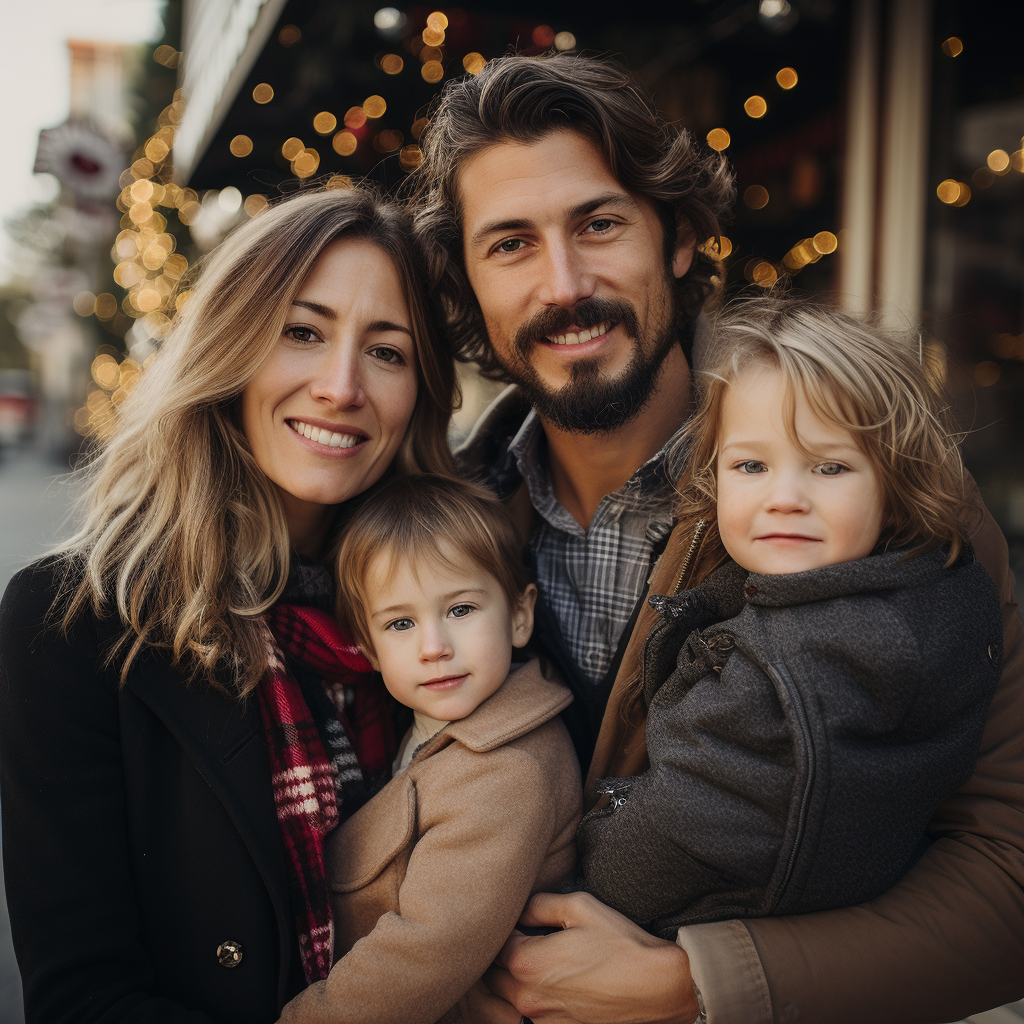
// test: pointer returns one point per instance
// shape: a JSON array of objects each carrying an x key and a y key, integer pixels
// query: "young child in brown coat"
[{"x": 429, "y": 878}]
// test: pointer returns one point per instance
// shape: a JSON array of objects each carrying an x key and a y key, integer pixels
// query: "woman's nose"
[{"x": 339, "y": 379}]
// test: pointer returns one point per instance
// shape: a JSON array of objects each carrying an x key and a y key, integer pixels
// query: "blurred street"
[{"x": 35, "y": 503}]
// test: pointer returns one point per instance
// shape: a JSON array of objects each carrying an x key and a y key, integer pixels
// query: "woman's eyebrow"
[{"x": 316, "y": 307}]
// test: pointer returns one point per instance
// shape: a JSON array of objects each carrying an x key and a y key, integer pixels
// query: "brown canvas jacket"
[{"x": 429, "y": 878}]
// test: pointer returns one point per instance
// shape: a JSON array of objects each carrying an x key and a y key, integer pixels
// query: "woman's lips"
[
  {"x": 445, "y": 683},
  {"x": 326, "y": 437}
]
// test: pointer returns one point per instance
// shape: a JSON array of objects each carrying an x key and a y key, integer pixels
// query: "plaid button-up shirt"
[{"x": 591, "y": 579}]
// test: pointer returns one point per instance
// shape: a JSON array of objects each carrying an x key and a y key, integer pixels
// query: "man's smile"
[{"x": 576, "y": 336}]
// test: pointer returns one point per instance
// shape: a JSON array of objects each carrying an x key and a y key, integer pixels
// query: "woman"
[{"x": 154, "y": 870}]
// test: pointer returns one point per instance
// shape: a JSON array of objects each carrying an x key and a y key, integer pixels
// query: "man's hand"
[{"x": 600, "y": 969}]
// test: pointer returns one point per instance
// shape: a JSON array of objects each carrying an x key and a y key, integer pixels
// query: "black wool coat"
[{"x": 145, "y": 873}]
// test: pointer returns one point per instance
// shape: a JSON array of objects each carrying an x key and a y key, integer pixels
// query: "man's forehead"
[{"x": 518, "y": 180}]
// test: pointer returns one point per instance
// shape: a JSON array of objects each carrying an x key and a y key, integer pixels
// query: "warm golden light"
[
  {"x": 166, "y": 55},
  {"x": 176, "y": 265},
  {"x": 142, "y": 168},
  {"x": 305, "y": 163},
  {"x": 764, "y": 275},
  {"x": 255, "y": 204},
  {"x": 986, "y": 373},
  {"x": 325, "y": 122},
  {"x": 432, "y": 71},
  {"x": 105, "y": 372},
  {"x": 432, "y": 36},
  {"x": 148, "y": 299},
  {"x": 263, "y": 93},
  {"x": 291, "y": 148},
  {"x": 948, "y": 191},
  {"x": 417, "y": 127},
  {"x": 999, "y": 160},
  {"x": 339, "y": 181},
  {"x": 106, "y": 305},
  {"x": 142, "y": 190},
  {"x": 387, "y": 141},
  {"x": 965, "y": 195},
  {"x": 825, "y": 242},
  {"x": 787, "y": 78},
  {"x": 724, "y": 247},
  {"x": 756, "y": 197},
  {"x": 473, "y": 63},
  {"x": 719, "y": 139},
  {"x": 391, "y": 64},
  {"x": 437, "y": 21},
  {"x": 344, "y": 143},
  {"x": 430, "y": 53},
  {"x": 240, "y": 145},
  {"x": 355, "y": 117},
  {"x": 157, "y": 150},
  {"x": 982, "y": 178},
  {"x": 756, "y": 106},
  {"x": 373, "y": 106},
  {"x": 1017, "y": 160},
  {"x": 410, "y": 158},
  {"x": 565, "y": 41},
  {"x": 952, "y": 47},
  {"x": 188, "y": 212},
  {"x": 289, "y": 35}
]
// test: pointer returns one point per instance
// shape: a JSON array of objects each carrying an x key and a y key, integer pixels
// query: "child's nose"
[
  {"x": 787, "y": 494},
  {"x": 435, "y": 645}
]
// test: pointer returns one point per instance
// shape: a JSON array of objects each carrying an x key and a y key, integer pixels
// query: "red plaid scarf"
[{"x": 310, "y": 779}]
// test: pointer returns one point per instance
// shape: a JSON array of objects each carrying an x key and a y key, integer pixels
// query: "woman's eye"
[
  {"x": 460, "y": 610},
  {"x": 303, "y": 335},
  {"x": 831, "y": 468},
  {"x": 400, "y": 625},
  {"x": 387, "y": 354},
  {"x": 751, "y": 466}
]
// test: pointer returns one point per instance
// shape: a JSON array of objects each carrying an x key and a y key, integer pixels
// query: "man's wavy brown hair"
[{"x": 522, "y": 99}]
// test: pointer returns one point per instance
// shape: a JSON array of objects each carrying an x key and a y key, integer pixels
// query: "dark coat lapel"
[{"x": 223, "y": 739}]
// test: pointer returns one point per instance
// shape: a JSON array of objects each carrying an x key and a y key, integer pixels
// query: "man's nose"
[
  {"x": 565, "y": 279},
  {"x": 338, "y": 377}
]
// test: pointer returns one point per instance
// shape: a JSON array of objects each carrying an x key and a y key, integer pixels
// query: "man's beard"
[{"x": 589, "y": 403}]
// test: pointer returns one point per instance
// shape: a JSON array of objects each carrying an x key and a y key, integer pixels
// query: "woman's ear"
[
  {"x": 686, "y": 242},
  {"x": 522, "y": 616}
]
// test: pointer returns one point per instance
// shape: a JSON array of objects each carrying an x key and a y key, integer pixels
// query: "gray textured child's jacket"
[{"x": 802, "y": 730}]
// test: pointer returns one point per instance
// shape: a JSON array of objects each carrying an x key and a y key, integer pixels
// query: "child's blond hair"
[
  {"x": 427, "y": 516},
  {"x": 856, "y": 375}
]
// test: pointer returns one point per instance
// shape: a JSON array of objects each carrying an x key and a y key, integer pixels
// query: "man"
[{"x": 562, "y": 218}]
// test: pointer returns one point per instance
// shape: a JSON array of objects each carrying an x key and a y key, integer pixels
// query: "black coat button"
[{"x": 229, "y": 954}]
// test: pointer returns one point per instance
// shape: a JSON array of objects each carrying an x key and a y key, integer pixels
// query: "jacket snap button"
[
  {"x": 229, "y": 954},
  {"x": 993, "y": 653},
  {"x": 750, "y": 591}
]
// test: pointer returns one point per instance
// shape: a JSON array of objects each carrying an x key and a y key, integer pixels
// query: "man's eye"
[
  {"x": 600, "y": 225},
  {"x": 460, "y": 610},
  {"x": 510, "y": 245},
  {"x": 751, "y": 466},
  {"x": 400, "y": 625}
]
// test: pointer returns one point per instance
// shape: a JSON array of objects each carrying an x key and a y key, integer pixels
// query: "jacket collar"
[{"x": 523, "y": 702}]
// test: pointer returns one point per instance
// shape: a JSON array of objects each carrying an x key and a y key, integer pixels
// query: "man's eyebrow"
[{"x": 620, "y": 199}]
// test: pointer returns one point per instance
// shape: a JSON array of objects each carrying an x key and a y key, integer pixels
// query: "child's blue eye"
[
  {"x": 460, "y": 610},
  {"x": 830, "y": 468},
  {"x": 401, "y": 625},
  {"x": 751, "y": 466}
]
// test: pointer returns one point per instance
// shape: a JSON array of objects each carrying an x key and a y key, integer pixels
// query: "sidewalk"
[{"x": 35, "y": 501}]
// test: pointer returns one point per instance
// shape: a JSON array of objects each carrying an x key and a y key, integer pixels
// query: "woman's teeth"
[
  {"x": 584, "y": 335},
  {"x": 324, "y": 436}
]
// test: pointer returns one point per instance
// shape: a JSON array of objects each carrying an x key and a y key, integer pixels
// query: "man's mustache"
[{"x": 585, "y": 314}]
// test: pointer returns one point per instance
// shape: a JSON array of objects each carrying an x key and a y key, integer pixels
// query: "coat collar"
[{"x": 523, "y": 702}]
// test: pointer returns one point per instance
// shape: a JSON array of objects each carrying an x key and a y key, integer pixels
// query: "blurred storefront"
[{"x": 877, "y": 147}]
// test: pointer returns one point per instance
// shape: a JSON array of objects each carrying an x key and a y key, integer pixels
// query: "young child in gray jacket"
[{"x": 814, "y": 698}]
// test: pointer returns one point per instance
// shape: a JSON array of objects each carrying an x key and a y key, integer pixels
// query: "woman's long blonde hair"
[
  {"x": 185, "y": 539},
  {"x": 868, "y": 380}
]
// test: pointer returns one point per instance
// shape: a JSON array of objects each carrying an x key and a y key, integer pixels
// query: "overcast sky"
[{"x": 34, "y": 80}]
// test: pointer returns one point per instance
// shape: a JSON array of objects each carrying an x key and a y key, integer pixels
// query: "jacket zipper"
[
  {"x": 684, "y": 573},
  {"x": 782, "y": 679}
]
